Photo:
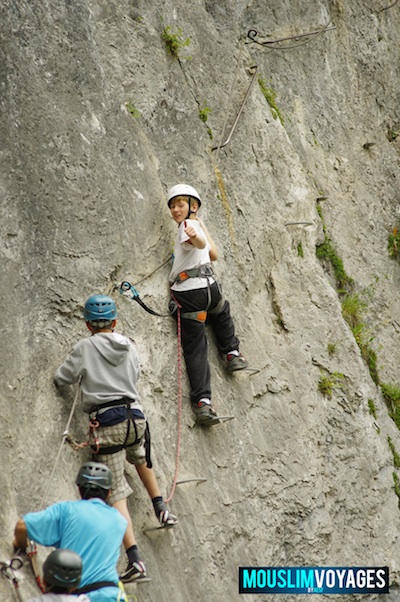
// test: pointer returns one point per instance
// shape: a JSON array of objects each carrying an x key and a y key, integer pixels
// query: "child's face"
[{"x": 180, "y": 208}]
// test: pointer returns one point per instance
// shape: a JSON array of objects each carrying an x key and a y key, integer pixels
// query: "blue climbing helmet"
[
  {"x": 100, "y": 307},
  {"x": 62, "y": 569}
]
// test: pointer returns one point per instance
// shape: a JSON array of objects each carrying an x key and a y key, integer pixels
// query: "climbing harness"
[
  {"x": 127, "y": 290},
  {"x": 252, "y": 33},
  {"x": 7, "y": 570},
  {"x": 98, "y": 418},
  {"x": 202, "y": 271},
  {"x": 92, "y": 587},
  {"x": 101, "y": 415}
]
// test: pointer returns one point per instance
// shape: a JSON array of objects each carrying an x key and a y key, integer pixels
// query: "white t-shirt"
[{"x": 188, "y": 257}]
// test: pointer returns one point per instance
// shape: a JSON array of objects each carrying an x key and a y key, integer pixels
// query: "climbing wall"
[{"x": 290, "y": 134}]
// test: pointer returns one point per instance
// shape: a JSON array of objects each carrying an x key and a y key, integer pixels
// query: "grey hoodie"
[{"x": 109, "y": 367}]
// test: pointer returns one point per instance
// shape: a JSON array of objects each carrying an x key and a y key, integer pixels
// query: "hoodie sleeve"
[{"x": 70, "y": 371}]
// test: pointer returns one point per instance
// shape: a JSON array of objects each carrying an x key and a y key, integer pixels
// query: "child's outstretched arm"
[{"x": 213, "y": 246}]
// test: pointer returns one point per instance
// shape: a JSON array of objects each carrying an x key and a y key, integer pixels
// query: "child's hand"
[
  {"x": 190, "y": 231},
  {"x": 193, "y": 237}
]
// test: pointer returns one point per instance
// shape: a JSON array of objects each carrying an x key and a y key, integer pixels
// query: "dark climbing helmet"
[
  {"x": 99, "y": 307},
  {"x": 94, "y": 474},
  {"x": 183, "y": 190},
  {"x": 62, "y": 568}
]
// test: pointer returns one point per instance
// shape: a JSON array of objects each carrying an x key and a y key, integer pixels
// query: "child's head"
[
  {"x": 62, "y": 571},
  {"x": 94, "y": 480},
  {"x": 100, "y": 313},
  {"x": 183, "y": 200}
]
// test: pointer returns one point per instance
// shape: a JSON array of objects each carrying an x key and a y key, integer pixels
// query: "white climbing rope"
[{"x": 64, "y": 437}]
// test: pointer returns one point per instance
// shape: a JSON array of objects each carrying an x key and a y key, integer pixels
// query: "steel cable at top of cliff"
[
  {"x": 272, "y": 44},
  {"x": 222, "y": 144},
  {"x": 251, "y": 34},
  {"x": 390, "y": 6}
]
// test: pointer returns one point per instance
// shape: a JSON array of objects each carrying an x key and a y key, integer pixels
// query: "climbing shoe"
[
  {"x": 204, "y": 412},
  {"x": 235, "y": 362},
  {"x": 133, "y": 572},
  {"x": 164, "y": 515}
]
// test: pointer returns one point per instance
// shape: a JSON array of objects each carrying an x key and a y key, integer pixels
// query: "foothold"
[
  {"x": 299, "y": 223},
  {"x": 216, "y": 420},
  {"x": 247, "y": 369},
  {"x": 136, "y": 582},
  {"x": 159, "y": 528},
  {"x": 192, "y": 480}
]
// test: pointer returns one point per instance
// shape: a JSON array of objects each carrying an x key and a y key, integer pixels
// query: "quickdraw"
[
  {"x": 127, "y": 290},
  {"x": 7, "y": 570},
  {"x": 93, "y": 425},
  {"x": 76, "y": 446},
  {"x": 93, "y": 440}
]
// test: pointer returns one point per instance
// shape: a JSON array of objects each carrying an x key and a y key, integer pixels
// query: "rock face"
[{"x": 97, "y": 121}]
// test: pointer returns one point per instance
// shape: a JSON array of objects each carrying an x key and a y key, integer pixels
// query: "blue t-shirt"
[{"x": 90, "y": 528}]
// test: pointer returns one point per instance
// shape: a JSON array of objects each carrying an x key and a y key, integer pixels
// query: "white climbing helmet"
[{"x": 183, "y": 190}]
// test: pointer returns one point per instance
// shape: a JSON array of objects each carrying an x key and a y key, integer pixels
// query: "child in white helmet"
[{"x": 195, "y": 290}]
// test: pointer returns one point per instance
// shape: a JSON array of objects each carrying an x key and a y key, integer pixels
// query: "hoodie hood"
[{"x": 114, "y": 347}]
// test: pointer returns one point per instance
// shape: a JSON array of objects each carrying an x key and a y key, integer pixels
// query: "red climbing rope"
[{"x": 178, "y": 444}]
